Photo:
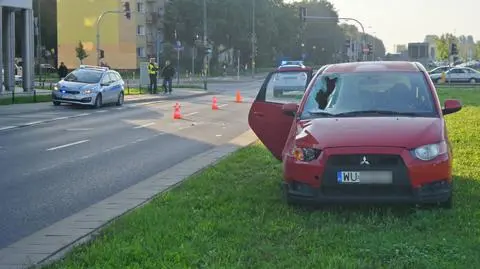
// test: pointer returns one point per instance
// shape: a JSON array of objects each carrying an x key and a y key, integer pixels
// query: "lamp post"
[{"x": 205, "y": 61}]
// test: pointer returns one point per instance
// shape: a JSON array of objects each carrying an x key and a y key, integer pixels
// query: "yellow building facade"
[{"x": 76, "y": 22}]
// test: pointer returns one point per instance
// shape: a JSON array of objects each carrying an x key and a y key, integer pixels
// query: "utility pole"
[
  {"x": 205, "y": 43},
  {"x": 39, "y": 41},
  {"x": 254, "y": 37},
  {"x": 99, "y": 20}
]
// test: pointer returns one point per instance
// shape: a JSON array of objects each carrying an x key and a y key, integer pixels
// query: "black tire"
[
  {"x": 98, "y": 101},
  {"x": 56, "y": 103},
  {"x": 121, "y": 99},
  {"x": 473, "y": 81},
  {"x": 447, "y": 204}
]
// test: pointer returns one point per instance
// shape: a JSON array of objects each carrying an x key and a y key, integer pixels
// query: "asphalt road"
[{"x": 52, "y": 170}]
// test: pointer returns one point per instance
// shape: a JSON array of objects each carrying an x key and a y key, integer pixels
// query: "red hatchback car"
[{"x": 361, "y": 132}]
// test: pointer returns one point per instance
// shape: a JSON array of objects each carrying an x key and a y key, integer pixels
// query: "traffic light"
[
  {"x": 126, "y": 9},
  {"x": 454, "y": 50},
  {"x": 347, "y": 43},
  {"x": 102, "y": 54},
  {"x": 370, "y": 49},
  {"x": 303, "y": 14}
]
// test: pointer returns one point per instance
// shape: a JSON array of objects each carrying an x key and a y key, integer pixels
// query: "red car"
[{"x": 361, "y": 132}]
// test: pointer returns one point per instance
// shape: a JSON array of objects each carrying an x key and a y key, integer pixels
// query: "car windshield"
[
  {"x": 84, "y": 76},
  {"x": 370, "y": 94}
]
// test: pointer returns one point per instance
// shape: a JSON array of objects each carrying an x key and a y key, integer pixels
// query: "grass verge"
[
  {"x": 25, "y": 99},
  {"x": 232, "y": 216}
]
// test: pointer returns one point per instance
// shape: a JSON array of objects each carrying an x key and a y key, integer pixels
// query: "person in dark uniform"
[
  {"x": 167, "y": 73},
  {"x": 62, "y": 70}
]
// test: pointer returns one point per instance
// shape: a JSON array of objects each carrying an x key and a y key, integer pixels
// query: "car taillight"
[{"x": 305, "y": 154}]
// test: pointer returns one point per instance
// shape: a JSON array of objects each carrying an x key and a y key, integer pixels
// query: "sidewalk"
[{"x": 178, "y": 94}]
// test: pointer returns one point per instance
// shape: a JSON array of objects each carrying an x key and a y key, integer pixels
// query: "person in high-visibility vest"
[
  {"x": 152, "y": 72},
  {"x": 443, "y": 77}
]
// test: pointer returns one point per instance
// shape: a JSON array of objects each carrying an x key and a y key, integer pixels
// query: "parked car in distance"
[
  {"x": 290, "y": 79},
  {"x": 90, "y": 85},
  {"x": 362, "y": 132},
  {"x": 458, "y": 75},
  {"x": 439, "y": 70}
]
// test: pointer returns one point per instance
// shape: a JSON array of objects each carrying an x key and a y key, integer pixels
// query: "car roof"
[
  {"x": 380, "y": 66},
  {"x": 288, "y": 68}
]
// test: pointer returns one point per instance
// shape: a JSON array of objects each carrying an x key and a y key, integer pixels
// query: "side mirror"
[
  {"x": 451, "y": 106},
  {"x": 290, "y": 109},
  {"x": 105, "y": 84}
]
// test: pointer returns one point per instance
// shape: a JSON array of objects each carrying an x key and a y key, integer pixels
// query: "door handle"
[{"x": 258, "y": 114}]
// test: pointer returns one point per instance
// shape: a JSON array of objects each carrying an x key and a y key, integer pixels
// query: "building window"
[
  {"x": 141, "y": 52},
  {"x": 140, "y": 7},
  {"x": 140, "y": 30}
]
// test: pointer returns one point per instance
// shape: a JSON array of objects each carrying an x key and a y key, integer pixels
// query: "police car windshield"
[{"x": 84, "y": 76}]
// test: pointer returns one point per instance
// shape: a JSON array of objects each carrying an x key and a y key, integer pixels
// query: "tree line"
[
  {"x": 466, "y": 46},
  {"x": 279, "y": 32}
]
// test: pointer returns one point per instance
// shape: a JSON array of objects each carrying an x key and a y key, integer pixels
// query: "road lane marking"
[
  {"x": 7, "y": 128},
  {"x": 101, "y": 111},
  {"x": 190, "y": 114},
  {"x": 68, "y": 145},
  {"x": 144, "y": 125},
  {"x": 79, "y": 129},
  {"x": 224, "y": 105},
  {"x": 60, "y": 118},
  {"x": 33, "y": 123}
]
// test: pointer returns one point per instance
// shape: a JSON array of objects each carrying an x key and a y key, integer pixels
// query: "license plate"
[
  {"x": 67, "y": 96},
  {"x": 364, "y": 177}
]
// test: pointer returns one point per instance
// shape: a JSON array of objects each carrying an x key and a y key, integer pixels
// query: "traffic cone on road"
[
  {"x": 214, "y": 103},
  {"x": 176, "y": 112},
  {"x": 238, "y": 97}
]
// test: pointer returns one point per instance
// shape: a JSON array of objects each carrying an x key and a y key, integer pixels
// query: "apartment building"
[{"x": 125, "y": 42}]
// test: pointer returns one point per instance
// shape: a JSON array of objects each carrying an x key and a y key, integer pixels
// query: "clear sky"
[{"x": 400, "y": 22}]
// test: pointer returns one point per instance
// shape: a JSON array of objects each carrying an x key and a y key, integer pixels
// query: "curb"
[{"x": 54, "y": 242}]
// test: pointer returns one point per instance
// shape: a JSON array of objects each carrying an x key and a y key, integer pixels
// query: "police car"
[{"x": 90, "y": 85}]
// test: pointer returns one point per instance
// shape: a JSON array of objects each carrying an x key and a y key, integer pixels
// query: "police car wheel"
[
  {"x": 121, "y": 99},
  {"x": 98, "y": 101},
  {"x": 56, "y": 103}
]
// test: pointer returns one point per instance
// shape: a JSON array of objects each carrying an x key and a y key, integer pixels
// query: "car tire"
[
  {"x": 473, "y": 81},
  {"x": 56, "y": 103},
  {"x": 448, "y": 204},
  {"x": 121, "y": 99},
  {"x": 98, "y": 101}
]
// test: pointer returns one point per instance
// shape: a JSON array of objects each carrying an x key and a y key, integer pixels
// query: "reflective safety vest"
[{"x": 152, "y": 69}]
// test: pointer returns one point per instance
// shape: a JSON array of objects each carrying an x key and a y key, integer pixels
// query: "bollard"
[{"x": 13, "y": 96}]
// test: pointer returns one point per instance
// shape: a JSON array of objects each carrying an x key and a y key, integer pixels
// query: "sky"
[{"x": 401, "y": 22}]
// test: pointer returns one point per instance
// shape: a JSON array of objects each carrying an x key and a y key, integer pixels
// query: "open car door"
[{"x": 267, "y": 118}]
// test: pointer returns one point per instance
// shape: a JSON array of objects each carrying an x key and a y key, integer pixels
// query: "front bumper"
[
  {"x": 436, "y": 192},
  {"x": 79, "y": 99}
]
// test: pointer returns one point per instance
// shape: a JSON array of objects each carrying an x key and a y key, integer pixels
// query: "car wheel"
[
  {"x": 447, "y": 204},
  {"x": 56, "y": 103},
  {"x": 473, "y": 81},
  {"x": 98, "y": 101},
  {"x": 121, "y": 99}
]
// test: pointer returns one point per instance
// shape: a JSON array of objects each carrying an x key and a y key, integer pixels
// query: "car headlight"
[
  {"x": 87, "y": 91},
  {"x": 55, "y": 87},
  {"x": 305, "y": 154},
  {"x": 431, "y": 151}
]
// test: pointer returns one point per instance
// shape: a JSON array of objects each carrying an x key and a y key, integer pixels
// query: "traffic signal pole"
[
  {"x": 126, "y": 11},
  {"x": 305, "y": 17}
]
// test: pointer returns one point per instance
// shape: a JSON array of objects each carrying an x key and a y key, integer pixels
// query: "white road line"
[
  {"x": 190, "y": 114},
  {"x": 144, "y": 125},
  {"x": 224, "y": 105},
  {"x": 79, "y": 129},
  {"x": 81, "y": 115},
  {"x": 101, "y": 111},
  {"x": 33, "y": 122},
  {"x": 7, "y": 128},
  {"x": 60, "y": 118},
  {"x": 68, "y": 145}
]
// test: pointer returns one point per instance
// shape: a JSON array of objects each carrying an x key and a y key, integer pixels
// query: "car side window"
[{"x": 286, "y": 87}]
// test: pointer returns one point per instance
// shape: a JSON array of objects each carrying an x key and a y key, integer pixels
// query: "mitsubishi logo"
[{"x": 364, "y": 161}]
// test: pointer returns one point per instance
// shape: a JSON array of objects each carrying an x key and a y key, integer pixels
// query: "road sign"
[{"x": 366, "y": 50}]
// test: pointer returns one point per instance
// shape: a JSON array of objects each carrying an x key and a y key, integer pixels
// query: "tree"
[
  {"x": 443, "y": 43},
  {"x": 80, "y": 51}
]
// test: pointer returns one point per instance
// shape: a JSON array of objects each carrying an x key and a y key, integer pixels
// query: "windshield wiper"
[
  {"x": 377, "y": 112},
  {"x": 320, "y": 113}
]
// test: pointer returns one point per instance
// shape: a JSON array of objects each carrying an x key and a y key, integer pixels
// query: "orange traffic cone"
[
  {"x": 238, "y": 97},
  {"x": 214, "y": 103},
  {"x": 176, "y": 113}
]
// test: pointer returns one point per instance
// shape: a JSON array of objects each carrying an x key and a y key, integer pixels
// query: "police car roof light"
[{"x": 84, "y": 66}]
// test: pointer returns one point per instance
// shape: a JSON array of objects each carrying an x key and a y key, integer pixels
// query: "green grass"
[{"x": 232, "y": 216}]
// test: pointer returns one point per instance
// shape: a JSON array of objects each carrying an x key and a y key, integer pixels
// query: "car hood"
[
  {"x": 75, "y": 85},
  {"x": 404, "y": 132}
]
